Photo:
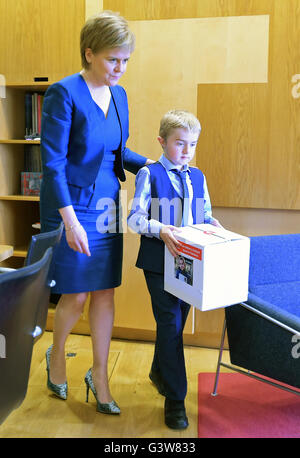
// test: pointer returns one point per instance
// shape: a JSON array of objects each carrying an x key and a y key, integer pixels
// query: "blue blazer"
[{"x": 72, "y": 141}]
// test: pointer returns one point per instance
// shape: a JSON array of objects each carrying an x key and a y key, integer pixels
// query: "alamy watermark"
[
  {"x": 296, "y": 347},
  {"x": 2, "y": 346},
  {"x": 112, "y": 217},
  {"x": 296, "y": 87},
  {"x": 2, "y": 87}
]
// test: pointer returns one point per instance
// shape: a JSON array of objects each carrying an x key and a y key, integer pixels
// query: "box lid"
[{"x": 207, "y": 234}]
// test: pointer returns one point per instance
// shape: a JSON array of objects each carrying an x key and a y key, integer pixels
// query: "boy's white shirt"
[{"x": 138, "y": 218}]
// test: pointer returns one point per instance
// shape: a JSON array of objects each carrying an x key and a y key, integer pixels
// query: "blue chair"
[
  {"x": 263, "y": 333},
  {"x": 21, "y": 292}
]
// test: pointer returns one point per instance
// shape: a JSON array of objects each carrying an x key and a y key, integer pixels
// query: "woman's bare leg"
[
  {"x": 68, "y": 311},
  {"x": 101, "y": 315}
]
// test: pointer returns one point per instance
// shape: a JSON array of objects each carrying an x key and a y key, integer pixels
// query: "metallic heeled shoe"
[
  {"x": 60, "y": 390},
  {"x": 110, "y": 407}
]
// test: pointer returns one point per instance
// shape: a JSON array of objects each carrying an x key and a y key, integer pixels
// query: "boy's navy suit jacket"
[{"x": 73, "y": 139}]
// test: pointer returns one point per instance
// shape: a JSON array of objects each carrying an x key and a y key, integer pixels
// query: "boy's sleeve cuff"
[{"x": 154, "y": 228}]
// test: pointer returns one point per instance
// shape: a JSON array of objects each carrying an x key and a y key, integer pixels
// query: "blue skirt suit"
[{"x": 73, "y": 123}]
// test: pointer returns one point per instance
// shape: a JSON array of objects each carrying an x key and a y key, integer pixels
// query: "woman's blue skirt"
[{"x": 97, "y": 209}]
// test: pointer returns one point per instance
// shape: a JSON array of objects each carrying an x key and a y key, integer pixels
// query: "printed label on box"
[{"x": 190, "y": 250}]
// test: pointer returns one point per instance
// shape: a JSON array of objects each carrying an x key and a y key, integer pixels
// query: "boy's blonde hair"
[
  {"x": 105, "y": 31},
  {"x": 178, "y": 119}
]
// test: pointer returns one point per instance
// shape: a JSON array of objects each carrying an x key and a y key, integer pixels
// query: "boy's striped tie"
[{"x": 186, "y": 198}]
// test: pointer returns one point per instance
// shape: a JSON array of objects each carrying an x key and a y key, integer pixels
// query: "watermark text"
[
  {"x": 2, "y": 346},
  {"x": 296, "y": 347},
  {"x": 2, "y": 87}
]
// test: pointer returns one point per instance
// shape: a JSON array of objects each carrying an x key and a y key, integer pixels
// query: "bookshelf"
[
  {"x": 30, "y": 86},
  {"x": 20, "y": 142},
  {"x": 17, "y": 212},
  {"x": 21, "y": 198},
  {"x": 39, "y": 39},
  {"x": 20, "y": 252}
]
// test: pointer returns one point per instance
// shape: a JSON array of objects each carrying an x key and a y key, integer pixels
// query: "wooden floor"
[{"x": 44, "y": 415}]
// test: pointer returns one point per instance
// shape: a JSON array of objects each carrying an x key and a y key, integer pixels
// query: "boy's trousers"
[{"x": 170, "y": 314}]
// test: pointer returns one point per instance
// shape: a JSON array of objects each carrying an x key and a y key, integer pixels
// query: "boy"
[{"x": 157, "y": 214}]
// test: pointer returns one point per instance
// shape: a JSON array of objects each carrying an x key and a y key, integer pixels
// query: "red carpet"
[{"x": 245, "y": 408}]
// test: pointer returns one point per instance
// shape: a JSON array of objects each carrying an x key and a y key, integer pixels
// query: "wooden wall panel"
[
  {"x": 136, "y": 10},
  {"x": 93, "y": 7},
  {"x": 282, "y": 176},
  {"x": 285, "y": 111},
  {"x": 248, "y": 161},
  {"x": 234, "y": 146},
  {"x": 45, "y": 41}
]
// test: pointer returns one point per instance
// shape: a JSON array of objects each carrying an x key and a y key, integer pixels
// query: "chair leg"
[{"x": 214, "y": 393}]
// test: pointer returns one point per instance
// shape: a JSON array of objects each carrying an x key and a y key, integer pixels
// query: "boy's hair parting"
[{"x": 175, "y": 119}]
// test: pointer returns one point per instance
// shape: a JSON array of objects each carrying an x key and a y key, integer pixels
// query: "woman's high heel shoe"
[
  {"x": 110, "y": 407},
  {"x": 60, "y": 390}
]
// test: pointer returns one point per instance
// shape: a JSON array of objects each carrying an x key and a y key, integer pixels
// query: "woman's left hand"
[
  {"x": 215, "y": 222},
  {"x": 149, "y": 161},
  {"x": 77, "y": 240}
]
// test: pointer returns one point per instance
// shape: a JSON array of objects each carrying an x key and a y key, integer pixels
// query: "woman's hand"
[
  {"x": 149, "y": 161},
  {"x": 167, "y": 236},
  {"x": 215, "y": 222},
  {"x": 77, "y": 239},
  {"x": 75, "y": 233}
]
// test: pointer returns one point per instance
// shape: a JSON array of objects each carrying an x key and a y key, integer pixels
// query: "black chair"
[
  {"x": 21, "y": 292},
  {"x": 41, "y": 242},
  {"x": 38, "y": 245}
]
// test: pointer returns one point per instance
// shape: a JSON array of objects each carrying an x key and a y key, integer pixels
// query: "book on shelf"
[
  {"x": 32, "y": 158},
  {"x": 33, "y": 115},
  {"x": 31, "y": 183},
  {"x": 31, "y": 177}
]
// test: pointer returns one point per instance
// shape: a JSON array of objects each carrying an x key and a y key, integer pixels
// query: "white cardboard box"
[{"x": 215, "y": 267}]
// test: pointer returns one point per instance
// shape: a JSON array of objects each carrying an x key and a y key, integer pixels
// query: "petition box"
[{"x": 212, "y": 270}]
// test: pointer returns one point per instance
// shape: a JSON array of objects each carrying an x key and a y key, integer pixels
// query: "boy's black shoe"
[
  {"x": 157, "y": 381},
  {"x": 175, "y": 415}
]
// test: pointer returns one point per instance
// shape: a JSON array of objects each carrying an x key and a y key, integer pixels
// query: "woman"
[{"x": 83, "y": 145}]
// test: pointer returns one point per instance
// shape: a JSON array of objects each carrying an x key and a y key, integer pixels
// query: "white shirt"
[{"x": 138, "y": 218}]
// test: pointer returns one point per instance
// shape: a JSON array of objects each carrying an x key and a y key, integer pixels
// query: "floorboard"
[{"x": 44, "y": 415}]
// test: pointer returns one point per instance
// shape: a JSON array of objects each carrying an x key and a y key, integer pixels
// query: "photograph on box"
[{"x": 183, "y": 269}]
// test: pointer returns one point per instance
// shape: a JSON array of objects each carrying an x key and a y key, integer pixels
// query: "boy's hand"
[
  {"x": 167, "y": 236},
  {"x": 215, "y": 222}
]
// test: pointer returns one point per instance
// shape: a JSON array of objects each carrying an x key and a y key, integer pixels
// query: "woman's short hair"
[
  {"x": 178, "y": 119},
  {"x": 105, "y": 30}
]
